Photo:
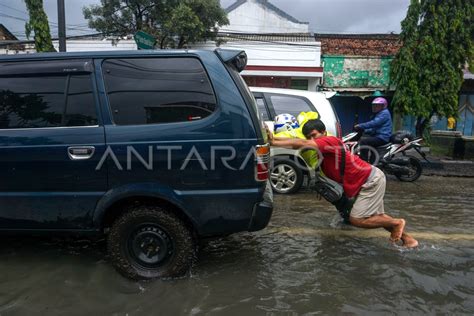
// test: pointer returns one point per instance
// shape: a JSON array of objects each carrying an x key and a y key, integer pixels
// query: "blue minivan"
[{"x": 152, "y": 149}]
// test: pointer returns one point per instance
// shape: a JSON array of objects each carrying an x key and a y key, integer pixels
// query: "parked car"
[
  {"x": 289, "y": 168},
  {"x": 134, "y": 146}
]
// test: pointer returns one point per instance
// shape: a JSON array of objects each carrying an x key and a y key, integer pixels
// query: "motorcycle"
[{"x": 392, "y": 158}]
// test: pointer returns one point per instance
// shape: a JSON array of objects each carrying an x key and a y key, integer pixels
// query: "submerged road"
[{"x": 305, "y": 262}]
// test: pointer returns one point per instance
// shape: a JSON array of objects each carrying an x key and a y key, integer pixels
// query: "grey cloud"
[
  {"x": 324, "y": 16},
  {"x": 356, "y": 16}
]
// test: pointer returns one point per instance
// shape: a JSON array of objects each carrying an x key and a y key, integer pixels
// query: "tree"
[
  {"x": 437, "y": 41},
  {"x": 174, "y": 23},
  {"x": 38, "y": 23}
]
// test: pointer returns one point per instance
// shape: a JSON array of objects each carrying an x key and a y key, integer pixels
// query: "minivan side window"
[
  {"x": 289, "y": 104},
  {"x": 28, "y": 101},
  {"x": 157, "y": 90}
]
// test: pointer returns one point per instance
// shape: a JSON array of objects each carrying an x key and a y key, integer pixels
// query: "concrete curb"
[{"x": 448, "y": 168}]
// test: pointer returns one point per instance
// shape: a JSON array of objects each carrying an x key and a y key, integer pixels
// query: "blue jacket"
[{"x": 380, "y": 126}]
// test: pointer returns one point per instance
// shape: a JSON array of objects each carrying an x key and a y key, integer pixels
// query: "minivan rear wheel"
[
  {"x": 285, "y": 177},
  {"x": 149, "y": 242}
]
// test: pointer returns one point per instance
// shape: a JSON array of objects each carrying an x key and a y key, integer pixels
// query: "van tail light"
[
  {"x": 338, "y": 129},
  {"x": 262, "y": 160}
]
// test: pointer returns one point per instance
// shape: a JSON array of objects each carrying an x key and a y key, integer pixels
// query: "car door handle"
[{"x": 80, "y": 152}]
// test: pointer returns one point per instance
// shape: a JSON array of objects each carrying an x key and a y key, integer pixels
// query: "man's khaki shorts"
[{"x": 370, "y": 199}]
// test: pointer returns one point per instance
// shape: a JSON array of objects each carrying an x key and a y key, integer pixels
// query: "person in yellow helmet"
[{"x": 451, "y": 123}]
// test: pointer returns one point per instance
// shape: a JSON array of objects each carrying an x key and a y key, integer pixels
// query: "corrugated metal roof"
[
  {"x": 7, "y": 33},
  {"x": 357, "y": 36},
  {"x": 268, "y": 37}
]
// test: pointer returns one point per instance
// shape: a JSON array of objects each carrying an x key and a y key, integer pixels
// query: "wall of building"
[
  {"x": 372, "y": 73},
  {"x": 465, "y": 121},
  {"x": 255, "y": 17},
  {"x": 97, "y": 45},
  {"x": 76, "y": 46},
  {"x": 17, "y": 49},
  {"x": 358, "y": 61},
  {"x": 277, "y": 64},
  {"x": 279, "y": 54},
  {"x": 359, "y": 44},
  {"x": 289, "y": 82}
]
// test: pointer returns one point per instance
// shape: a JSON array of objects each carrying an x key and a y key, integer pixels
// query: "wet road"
[{"x": 305, "y": 262}]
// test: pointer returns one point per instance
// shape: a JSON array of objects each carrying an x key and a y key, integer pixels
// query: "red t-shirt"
[{"x": 356, "y": 170}]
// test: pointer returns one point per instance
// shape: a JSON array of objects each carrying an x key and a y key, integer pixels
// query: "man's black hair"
[{"x": 313, "y": 125}]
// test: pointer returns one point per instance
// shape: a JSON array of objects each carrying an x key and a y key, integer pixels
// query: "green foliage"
[
  {"x": 174, "y": 23},
  {"x": 437, "y": 41},
  {"x": 38, "y": 24},
  {"x": 184, "y": 22}
]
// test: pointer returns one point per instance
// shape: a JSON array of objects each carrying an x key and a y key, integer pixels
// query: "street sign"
[{"x": 144, "y": 40}]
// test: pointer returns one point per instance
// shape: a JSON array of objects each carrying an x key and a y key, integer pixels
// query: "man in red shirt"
[{"x": 361, "y": 180}]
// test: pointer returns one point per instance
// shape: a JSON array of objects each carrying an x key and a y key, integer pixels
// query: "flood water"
[{"x": 305, "y": 262}]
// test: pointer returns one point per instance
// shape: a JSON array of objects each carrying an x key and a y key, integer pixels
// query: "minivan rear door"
[{"x": 50, "y": 144}]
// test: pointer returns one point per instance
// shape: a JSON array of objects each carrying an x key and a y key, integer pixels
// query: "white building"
[
  {"x": 89, "y": 45},
  {"x": 277, "y": 60},
  {"x": 260, "y": 16},
  {"x": 281, "y": 51},
  {"x": 75, "y": 45}
]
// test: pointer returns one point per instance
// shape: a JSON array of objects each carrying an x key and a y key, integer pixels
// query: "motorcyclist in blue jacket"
[{"x": 377, "y": 131}]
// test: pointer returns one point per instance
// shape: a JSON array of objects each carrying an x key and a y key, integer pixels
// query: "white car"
[{"x": 289, "y": 168}]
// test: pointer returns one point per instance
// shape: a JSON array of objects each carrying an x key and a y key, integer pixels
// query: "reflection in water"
[{"x": 304, "y": 262}]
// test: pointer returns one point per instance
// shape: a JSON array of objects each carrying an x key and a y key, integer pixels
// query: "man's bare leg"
[
  {"x": 394, "y": 225},
  {"x": 409, "y": 241},
  {"x": 396, "y": 232}
]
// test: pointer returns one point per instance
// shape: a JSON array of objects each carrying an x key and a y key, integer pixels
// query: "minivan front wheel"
[
  {"x": 285, "y": 177},
  {"x": 148, "y": 242}
]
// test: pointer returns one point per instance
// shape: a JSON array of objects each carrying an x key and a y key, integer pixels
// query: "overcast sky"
[{"x": 324, "y": 16}]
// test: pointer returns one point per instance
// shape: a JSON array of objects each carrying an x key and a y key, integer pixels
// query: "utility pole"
[{"x": 61, "y": 26}]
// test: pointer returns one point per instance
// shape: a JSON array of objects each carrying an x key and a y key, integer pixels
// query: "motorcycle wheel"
[{"x": 415, "y": 171}]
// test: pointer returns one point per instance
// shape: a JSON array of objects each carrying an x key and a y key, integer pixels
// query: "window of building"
[
  {"x": 289, "y": 104},
  {"x": 299, "y": 84},
  {"x": 46, "y": 101},
  {"x": 158, "y": 90}
]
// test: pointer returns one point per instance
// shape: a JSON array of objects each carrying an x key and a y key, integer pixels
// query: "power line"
[
  {"x": 11, "y": 8},
  {"x": 8, "y": 43},
  {"x": 12, "y": 17},
  {"x": 52, "y": 24}
]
